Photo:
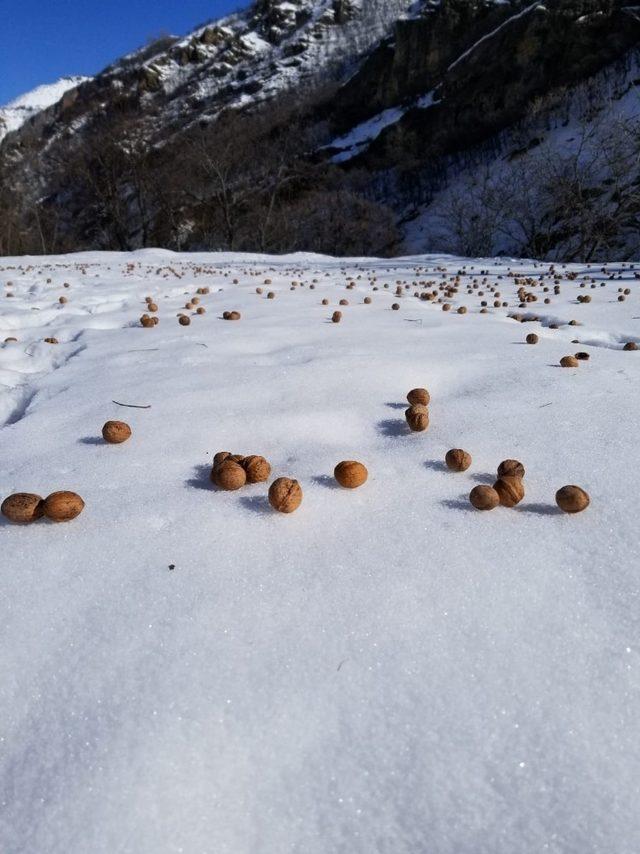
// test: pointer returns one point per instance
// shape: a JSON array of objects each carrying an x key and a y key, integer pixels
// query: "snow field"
[{"x": 386, "y": 669}]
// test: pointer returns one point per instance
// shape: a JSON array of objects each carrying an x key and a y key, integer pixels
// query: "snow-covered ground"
[{"x": 385, "y": 670}]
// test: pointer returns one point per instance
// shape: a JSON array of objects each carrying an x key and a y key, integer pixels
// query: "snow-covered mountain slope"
[
  {"x": 14, "y": 114},
  {"x": 579, "y": 153},
  {"x": 388, "y": 670},
  {"x": 272, "y": 47},
  {"x": 364, "y": 106}
]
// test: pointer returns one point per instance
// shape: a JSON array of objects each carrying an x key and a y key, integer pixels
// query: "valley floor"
[{"x": 385, "y": 670}]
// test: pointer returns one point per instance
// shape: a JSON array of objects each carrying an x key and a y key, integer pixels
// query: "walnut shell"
[
  {"x": 22, "y": 508},
  {"x": 484, "y": 498},
  {"x": 569, "y": 362},
  {"x": 350, "y": 474},
  {"x": 336, "y": 317},
  {"x": 532, "y": 338},
  {"x": 630, "y": 346},
  {"x": 256, "y": 468},
  {"x": 511, "y": 468},
  {"x": 419, "y": 397},
  {"x": 417, "y": 418},
  {"x": 63, "y": 506},
  {"x": 510, "y": 489},
  {"x": 116, "y": 432},
  {"x": 457, "y": 459},
  {"x": 572, "y": 499},
  {"x": 229, "y": 475},
  {"x": 183, "y": 320},
  {"x": 285, "y": 495},
  {"x": 220, "y": 457}
]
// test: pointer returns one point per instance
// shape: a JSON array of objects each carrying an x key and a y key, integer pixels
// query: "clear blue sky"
[{"x": 42, "y": 40}]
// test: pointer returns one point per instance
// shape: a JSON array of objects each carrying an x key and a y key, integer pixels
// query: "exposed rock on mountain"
[{"x": 18, "y": 112}]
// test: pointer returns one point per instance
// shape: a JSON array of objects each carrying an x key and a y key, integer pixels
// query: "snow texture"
[{"x": 385, "y": 670}]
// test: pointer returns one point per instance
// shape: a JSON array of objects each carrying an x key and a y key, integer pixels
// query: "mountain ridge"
[{"x": 370, "y": 101}]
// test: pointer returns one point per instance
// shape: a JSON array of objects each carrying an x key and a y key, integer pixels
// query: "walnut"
[
  {"x": 457, "y": 459},
  {"x": 285, "y": 495},
  {"x": 63, "y": 506},
  {"x": 22, "y": 508},
  {"x": 350, "y": 474},
  {"x": 484, "y": 498},
  {"x": 510, "y": 489},
  {"x": 572, "y": 499}
]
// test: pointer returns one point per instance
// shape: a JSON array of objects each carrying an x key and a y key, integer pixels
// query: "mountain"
[
  {"x": 346, "y": 126},
  {"x": 17, "y": 112}
]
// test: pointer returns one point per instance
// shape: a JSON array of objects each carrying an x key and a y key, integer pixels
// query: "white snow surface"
[
  {"x": 14, "y": 114},
  {"x": 385, "y": 670}
]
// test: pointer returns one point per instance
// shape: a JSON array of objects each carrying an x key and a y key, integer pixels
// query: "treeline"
[{"x": 244, "y": 182}]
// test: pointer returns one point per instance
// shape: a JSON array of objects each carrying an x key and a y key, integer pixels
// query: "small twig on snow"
[{"x": 131, "y": 405}]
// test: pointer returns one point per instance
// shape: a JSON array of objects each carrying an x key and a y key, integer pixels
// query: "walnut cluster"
[{"x": 233, "y": 471}]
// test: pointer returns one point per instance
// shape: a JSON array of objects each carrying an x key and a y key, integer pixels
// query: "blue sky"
[{"x": 42, "y": 40}]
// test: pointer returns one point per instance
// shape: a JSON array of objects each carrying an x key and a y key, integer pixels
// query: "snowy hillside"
[
  {"x": 384, "y": 670},
  {"x": 346, "y": 127},
  {"x": 21, "y": 109},
  {"x": 270, "y": 48},
  {"x": 590, "y": 134}
]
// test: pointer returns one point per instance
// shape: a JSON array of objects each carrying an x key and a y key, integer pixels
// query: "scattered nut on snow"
[
  {"x": 285, "y": 495},
  {"x": 22, "y": 508},
  {"x": 63, "y": 506},
  {"x": 510, "y": 490},
  {"x": 116, "y": 432},
  {"x": 511, "y": 468},
  {"x": 350, "y": 474},
  {"x": 417, "y": 418},
  {"x": 419, "y": 397},
  {"x": 457, "y": 460},
  {"x": 256, "y": 468},
  {"x": 484, "y": 498},
  {"x": 229, "y": 475},
  {"x": 572, "y": 499}
]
